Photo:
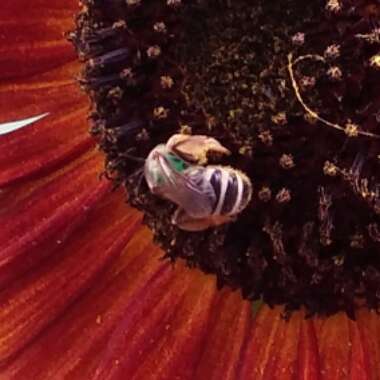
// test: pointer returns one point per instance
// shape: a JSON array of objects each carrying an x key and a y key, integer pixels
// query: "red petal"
[
  {"x": 369, "y": 343},
  {"x": 47, "y": 215},
  {"x": 52, "y": 141},
  {"x": 225, "y": 338},
  {"x": 48, "y": 92},
  {"x": 23, "y": 8},
  {"x": 359, "y": 364},
  {"x": 43, "y": 148},
  {"x": 26, "y": 59},
  {"x": 335, "y": 347},
  {"x": 141, "y": 329},
  {"x": 31, "y": 303},
  {"x": 11, "y": 196},
  {"x": 73, "y": 344},
  {"x": 308, "y": 367},
  {"x": 175, "y": 355},
  {"x": 285, "y": 362},
  {"x": 263, "y": 345},
  {"x": 31, "y": 36}
]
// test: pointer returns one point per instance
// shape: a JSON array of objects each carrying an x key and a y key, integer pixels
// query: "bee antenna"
[
  {"x": 133, "y": 158},
  {"x": 137, "y": 173}
]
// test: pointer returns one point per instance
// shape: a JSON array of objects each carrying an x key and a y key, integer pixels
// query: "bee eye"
[{"x": 178, "y": 164}]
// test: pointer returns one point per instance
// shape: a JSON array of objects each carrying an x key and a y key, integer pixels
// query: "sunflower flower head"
[
  {"x": 289, "y": 91},
  {"x": 287, "y": 96}
]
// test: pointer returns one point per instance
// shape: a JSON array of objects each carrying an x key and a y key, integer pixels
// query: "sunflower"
[{"x": 87, "y": 291}]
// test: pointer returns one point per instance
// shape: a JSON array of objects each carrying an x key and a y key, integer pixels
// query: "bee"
[{"x": 206, "y": 196}]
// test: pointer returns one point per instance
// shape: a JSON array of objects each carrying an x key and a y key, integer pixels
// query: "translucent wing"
[
  {"x": 192, "y": 191},
  {"x": 187, "y": 187}
]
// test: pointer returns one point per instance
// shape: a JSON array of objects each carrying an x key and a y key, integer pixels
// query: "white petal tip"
[{"x": 14, "y": 125}]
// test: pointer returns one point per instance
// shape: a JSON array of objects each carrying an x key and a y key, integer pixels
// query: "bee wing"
[{"x": 188, "y": 189}]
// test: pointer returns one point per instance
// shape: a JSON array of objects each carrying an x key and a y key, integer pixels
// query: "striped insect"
[{"x": 206, "y": 196}]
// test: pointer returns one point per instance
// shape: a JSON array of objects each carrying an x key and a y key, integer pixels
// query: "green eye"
[{"x": 178, "y": 164}]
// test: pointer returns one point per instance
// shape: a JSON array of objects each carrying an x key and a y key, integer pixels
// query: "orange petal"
[
  {"x": 29, "y": 304},
  {"x": 47, "y": 215}
]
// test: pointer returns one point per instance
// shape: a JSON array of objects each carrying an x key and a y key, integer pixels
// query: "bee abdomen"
[{"x": 232, "y": 188}]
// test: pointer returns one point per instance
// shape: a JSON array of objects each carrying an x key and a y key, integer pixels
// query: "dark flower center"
[{"x": 293, "y": 92}]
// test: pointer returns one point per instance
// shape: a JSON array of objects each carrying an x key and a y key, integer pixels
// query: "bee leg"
[
  {"x": 187, "y": 223},
  {"x": 195, "y": 148}
]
